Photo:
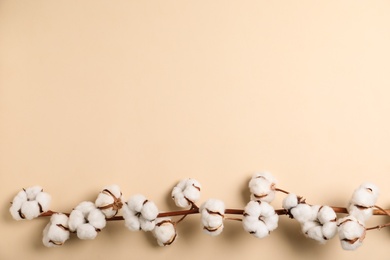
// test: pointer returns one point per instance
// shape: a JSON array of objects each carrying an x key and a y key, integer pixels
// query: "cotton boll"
[
  {"x": 29, "y": 203},
  {"x": 290, "y": 201},
  {"x": 259, "y": 218},
  {"x": 109, "y": 200},
  {"x": 262, "y": 187},
  {"x": 366, "y": 195},
  {"x": 76, "y": 218},
  {"x": 186, "y": 192},
  {"x": 212, "y": 213},
  {"x": 30, "y": 209},
  {"x": 351, "y": 232},
  {"x": 97, "y": 219},
  {"x": 164, "y": 232},
  {"x": 326, "y": 214},
  {"x": 56, "y": 232},
  {"x": 86, "y": 231}
]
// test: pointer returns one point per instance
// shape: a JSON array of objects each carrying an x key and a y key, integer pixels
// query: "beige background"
[{"x": 144, "y": 93}]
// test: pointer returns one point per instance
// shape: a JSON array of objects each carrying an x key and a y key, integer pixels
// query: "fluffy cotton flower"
[
  {"x": 363, "y": 200},
  {"x": 56, "y": 231},
  {"x": 30, "y": 203},
  {"x": 86, "y": 220},
  {"x": 186, "y": 192},
  {"x": 322, "y": 226},
  {"x": 317, "y": 222},
  {"x": 212, "y": 213},
  {"x": 164, "y": 231},
  {"x": 140, "y": 213},
  {"x": 109, "y": 201},
  {"x": 262, "y": 187},
  {"x": 259, "y": 218},
  {"x": 351, "y": 232}
]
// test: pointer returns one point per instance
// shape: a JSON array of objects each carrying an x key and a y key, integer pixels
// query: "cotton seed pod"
[
  {"x": 30, "y": 203},
  {"x": 259, "y": 218},
  {"x": 140, "y": 213},
  {"x": 86, "y": 220},
  {"x": 186, "y": 192},
  {"x": 109, "y": 200},
  {"x": 262, "y": 187},
  {"x": 362, "y": 202},
  {"x": 351, "y": 232},
  {"x": 164, "y": 231},
  {"x": 212, "y": 215},
  {"x": 56, "y": 231}
]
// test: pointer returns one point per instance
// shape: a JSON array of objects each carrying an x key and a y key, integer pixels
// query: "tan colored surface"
[{"x": 144, "y": 93}]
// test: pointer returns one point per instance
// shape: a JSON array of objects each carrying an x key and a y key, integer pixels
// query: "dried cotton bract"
[
  {"x": 140, "y": 213},
  {"x": 362, "y": 202},
  {"x": 212, "y": 214},
  {"x": 262, "y": 187},
  {"x": 109, "y": 201},
  {"x": 259, "y": 218},
  {"x": 30, "y": 203},
  {"x": 86, "y": 220},
  {"x": 351, "y": 232},
  {"x": 164, "y": 231},
  {"x": 186, "y": 193},
  {"x": 56, "y": 231}
]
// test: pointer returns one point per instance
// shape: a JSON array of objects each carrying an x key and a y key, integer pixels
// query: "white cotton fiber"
[
  {"x": 149, "y": 211},
  {"x": 30, "y": 203},
  {"x": 262, "y": 187},
  {"x": 140, "y": 213},
  {"x": 212, "y": 214},
  {"x": 32, "y": 192},
  {"x": 56, "y": 233},
  {"x": 30, "y": 209},
  {"x": 186, "y": 192},
  {"x": 76, "y": 218},
  {"x": 326, "y": 214},
  {"x": 109, "y": 200},
  {"x": 97, "y": 219},
  {"x": 86, "y": 231},
  {"x": 290, "y": 201},
  {"x": 366, "y": 195},
  {"x": 302, "y": 212},
  {"x": 44, "y": 199},
  {"x": 259, "y": 218},
  {"x": 164, "y": 232},
  {"x": 136, "y": 202},
  {"x": 351, "y": 232},
  {"x": 329, "y": 229},
  {"x": 85, "y": 207},
  {"x": 362, "y": 214},
  {"x": 146, "y": 225},
  {"x": 314, "y": 231}
]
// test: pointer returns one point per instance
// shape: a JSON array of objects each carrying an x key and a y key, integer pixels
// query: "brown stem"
[
  {"x": 195, "y": 210},
  {"x": 379, "y": 226},
  {"x": 284, "y": 191}
]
